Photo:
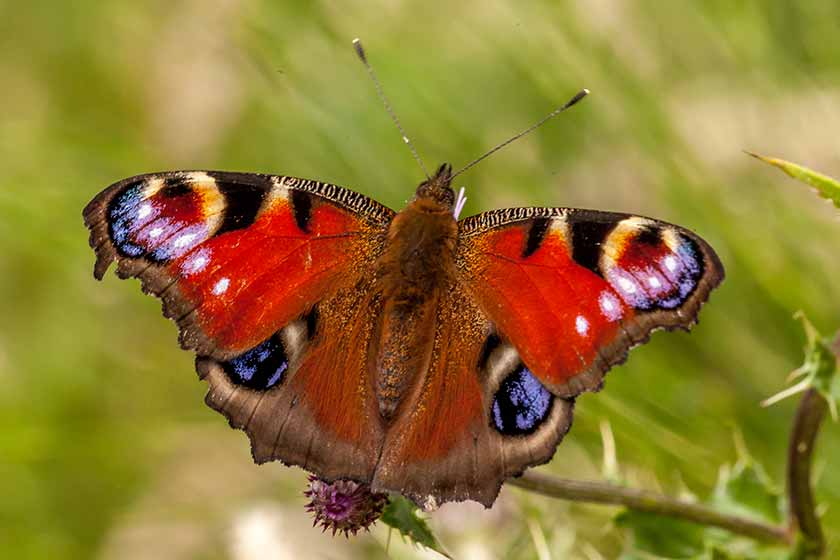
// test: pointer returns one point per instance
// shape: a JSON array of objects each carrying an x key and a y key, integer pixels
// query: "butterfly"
[{"x": 411, "y": 351}]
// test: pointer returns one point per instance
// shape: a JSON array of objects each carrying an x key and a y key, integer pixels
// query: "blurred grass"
[{"x": 106, "y": 449}]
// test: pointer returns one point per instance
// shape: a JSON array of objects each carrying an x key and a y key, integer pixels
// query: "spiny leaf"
[
  {"x": 818, "y": 371},
  {"x": 662, "y": 536},
  {"x": 747, "y": 490},
  {"x": 744, "y": 490},
  {"x": 404, "y": 516},
  {"x": 827, "y": 187}
]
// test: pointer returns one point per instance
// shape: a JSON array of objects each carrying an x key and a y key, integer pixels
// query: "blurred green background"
[{"x": 106, "y": 448}]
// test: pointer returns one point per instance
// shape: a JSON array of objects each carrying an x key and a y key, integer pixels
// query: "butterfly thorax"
[{"x": 417, "y": 263}]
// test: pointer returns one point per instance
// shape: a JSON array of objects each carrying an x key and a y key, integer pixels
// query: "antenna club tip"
[
  {"x": 584, "y": 90},
  {"x": 578, "y": 96},
  {"x": 360, "y": 51}
]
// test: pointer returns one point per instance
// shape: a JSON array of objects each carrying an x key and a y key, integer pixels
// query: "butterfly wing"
[
  {"x": 573, "y": 290},
  {"x": 446, "y": 447},
  {"x": 263, "y": 275},
  {"x": 543, "y": 302}
]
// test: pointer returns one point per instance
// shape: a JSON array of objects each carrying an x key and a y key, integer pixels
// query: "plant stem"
[
  {"x": 643, "y": 500},
  {"x": 802, "y": 516},
  {"x": 806, "y": 424}
]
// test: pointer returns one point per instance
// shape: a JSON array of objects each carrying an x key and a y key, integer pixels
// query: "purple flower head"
[{"x": 343, "y": 505}]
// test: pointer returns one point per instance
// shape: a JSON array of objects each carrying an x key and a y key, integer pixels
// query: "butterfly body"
[
  {"x": 417, "y": 262},
  {"x": 410, "y": 351}
]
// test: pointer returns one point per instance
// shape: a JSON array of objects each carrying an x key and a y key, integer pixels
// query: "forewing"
[
  {"x": 573, "y": 290},
  {"x": 234, "y": 256},
  {"x": 266, "y": 277}
]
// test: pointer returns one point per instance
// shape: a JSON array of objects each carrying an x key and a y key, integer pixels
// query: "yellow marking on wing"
[
  {"x": 153, "y": 185},
  {"x": 671, "y": 239},
  {"x": 279, "y": 193},
  {"x": 212, "y": 201},
  {"x": 558, "y": 230},
  {"x": 616, "y": 243}
]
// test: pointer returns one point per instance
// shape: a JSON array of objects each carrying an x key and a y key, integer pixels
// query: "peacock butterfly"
[{"x": 411, "y": 351}]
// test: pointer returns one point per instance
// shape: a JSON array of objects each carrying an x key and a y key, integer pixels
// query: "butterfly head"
[{"x": 436, "y": 192}]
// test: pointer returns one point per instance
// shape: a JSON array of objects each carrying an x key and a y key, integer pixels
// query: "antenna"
[
  {"x": 360, "y": 51},
  {"x": 578, "y": 96}
]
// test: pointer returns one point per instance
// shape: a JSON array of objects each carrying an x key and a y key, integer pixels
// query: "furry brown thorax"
[{"x": 418, "y": 260}]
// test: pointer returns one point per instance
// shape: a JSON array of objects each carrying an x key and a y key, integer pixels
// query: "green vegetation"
[{"x": 106, "y": 448}]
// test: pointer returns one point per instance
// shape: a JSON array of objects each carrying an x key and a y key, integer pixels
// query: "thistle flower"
[{"x": 343, "y": 506}]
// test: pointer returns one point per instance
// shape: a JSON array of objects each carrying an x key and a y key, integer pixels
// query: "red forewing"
[
  {"x": 574, "y": 289},
  {"x": 234, "y": 256}
]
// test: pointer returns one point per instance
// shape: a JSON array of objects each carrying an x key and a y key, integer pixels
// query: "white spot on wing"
[
  {"x": 184, "y": 240},
  {"x": 654, "y": 282},
  {"x": 221, "y": 286},
  {"x": 670, "y": 262},
  {"x": 196, "y": 262},
  {"x": 626, "y": 285},
  {"x": 581, "y": 325},
  {"x": 155, "y": 232},
  {"x": 610, "y": 306},
  {"x": 144, "y": 210}
]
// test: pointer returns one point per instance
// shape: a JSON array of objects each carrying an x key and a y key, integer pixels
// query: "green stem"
[
  {"x": 806, "y": 425},
  {"x": 650, "y": 502}
]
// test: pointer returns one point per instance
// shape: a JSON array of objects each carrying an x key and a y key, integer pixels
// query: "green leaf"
[
  {"x": 404, "y": 516},
  {"x": 662, "y": 536},
  {"x": 746, "y": 490},
  {"x": 827, "y": 187},
  {"x": 819, "y": 371}
]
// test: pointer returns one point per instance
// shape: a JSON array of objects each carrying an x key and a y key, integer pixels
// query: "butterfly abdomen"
[{"x": 418, "y": 258}]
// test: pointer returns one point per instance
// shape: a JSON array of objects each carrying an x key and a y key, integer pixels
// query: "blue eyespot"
[
  {"x": 665, "y": 283},
  {"x": 121, "y": 221},
  {"x": 521, "y": 404},
  {"x": 260, "y": 368}
]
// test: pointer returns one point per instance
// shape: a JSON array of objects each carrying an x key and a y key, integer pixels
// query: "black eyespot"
[
  {"x": 261, "y": 367},
  {"x": 521, "y": 404}
]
